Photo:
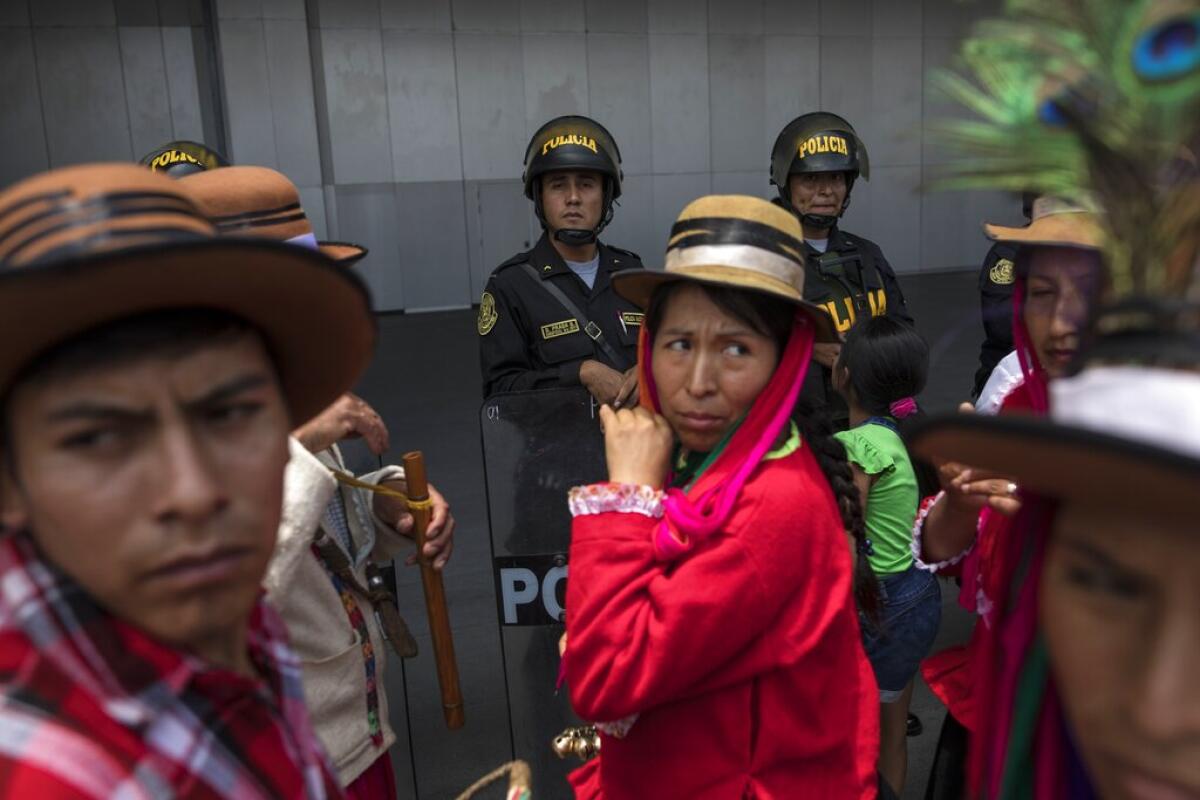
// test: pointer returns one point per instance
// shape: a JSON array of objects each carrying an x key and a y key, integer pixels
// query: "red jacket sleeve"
[{"x": 642, "y": 633}]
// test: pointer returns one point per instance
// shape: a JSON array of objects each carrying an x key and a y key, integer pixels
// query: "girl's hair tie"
[{"x": 904, "y": 407}]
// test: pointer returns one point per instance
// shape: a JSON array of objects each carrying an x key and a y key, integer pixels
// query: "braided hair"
[
  {"x": 817, "y": 430},
  {"x": 774, "y": 318}
]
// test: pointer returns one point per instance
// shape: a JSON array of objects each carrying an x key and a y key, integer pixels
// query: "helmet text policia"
[
  {"x": 573, "y": 143},
  {"x": 818, "y": 142},
  {"x": 184, "y": 157}
]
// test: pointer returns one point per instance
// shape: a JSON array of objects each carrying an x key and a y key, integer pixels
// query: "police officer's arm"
[
  {"x": 995, "y": 300},
  {"x": 896, "y": 305},
  {"x": 505, "y": 349}
]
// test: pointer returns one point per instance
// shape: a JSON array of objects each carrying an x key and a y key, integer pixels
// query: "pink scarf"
[{"x": 705, "y": 508}]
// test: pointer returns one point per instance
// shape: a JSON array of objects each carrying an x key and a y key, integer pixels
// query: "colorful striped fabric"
[{"x": 93, "y": 707}]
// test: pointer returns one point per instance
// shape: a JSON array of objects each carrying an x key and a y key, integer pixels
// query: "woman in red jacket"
[{"x": 711, "y": 623}]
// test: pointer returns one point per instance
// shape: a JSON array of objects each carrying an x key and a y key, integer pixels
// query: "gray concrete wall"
[
  {"x": 405, "y": 121},
  {"x": 99, "y": 80}
]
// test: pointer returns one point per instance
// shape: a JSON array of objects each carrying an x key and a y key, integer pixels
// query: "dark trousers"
[{"x": 947, "y": 777}]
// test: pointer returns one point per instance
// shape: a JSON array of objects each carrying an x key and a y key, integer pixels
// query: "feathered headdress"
[{"x": 1097, "y": 99}]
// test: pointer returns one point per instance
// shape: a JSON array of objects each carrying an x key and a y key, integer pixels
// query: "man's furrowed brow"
[
  {"x": 230, "y": 389},
  {"x": 91, "y": 410}
]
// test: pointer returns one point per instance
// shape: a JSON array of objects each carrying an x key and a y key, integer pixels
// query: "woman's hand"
[
  {"x": 638, "y": 445},
  {"x": 968, "y": 490},
  {"x": 973, "y": 489}
]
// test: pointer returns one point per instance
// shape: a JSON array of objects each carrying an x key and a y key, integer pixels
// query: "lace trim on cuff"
[
  {"x": 601, "y": 498},
  {"x": 918, "y": 529},
  {"x": 618, "y": 729}
]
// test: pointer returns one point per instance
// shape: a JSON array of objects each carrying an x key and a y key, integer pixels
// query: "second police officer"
[
  {"x": 549, "y": 317},
  {"x": 814, "y": 164}
]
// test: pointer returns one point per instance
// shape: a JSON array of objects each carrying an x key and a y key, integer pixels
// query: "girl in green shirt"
[{"x": 881, "y": 368}]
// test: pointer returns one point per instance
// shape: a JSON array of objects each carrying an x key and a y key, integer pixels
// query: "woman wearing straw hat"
[
  {"x": 1057, "y": 279},
  {"x": 1088, "y": 676},
  {"x": 150, "y": 373},
  {"x": 711, "y": 619}
]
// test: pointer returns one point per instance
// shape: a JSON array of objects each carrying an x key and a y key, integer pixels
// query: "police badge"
[
  {"x": 1003, "y": 273},
  {"x": 487, "y": 314}
]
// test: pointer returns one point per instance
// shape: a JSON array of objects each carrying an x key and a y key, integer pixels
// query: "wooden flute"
[{"x": 435, "y": 593}]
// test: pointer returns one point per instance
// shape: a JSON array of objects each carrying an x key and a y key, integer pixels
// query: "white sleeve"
[{"x": 1004, "y": 378}]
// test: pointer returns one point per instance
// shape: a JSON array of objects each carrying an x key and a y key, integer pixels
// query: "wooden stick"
[{"x": 435, "y": 593}]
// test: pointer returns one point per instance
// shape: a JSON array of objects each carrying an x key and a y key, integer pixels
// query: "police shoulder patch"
[
  {"x": 1002, "y": 272},
  {"x": 487, "y": 314}
]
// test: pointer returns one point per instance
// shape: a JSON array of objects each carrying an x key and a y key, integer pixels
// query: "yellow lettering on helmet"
[
  {"x": 822, "y": 144},
  {"x": 166, "y": 159},
  {"x": 571, "y": 138}
]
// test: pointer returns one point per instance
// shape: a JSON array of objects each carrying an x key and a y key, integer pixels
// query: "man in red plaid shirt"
[{"x": 149, "y": 376}]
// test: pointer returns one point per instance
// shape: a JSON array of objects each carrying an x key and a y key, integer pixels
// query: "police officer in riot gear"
[
  {"x": 549, "y": 316},
  {"x": 814, "y": 164}
]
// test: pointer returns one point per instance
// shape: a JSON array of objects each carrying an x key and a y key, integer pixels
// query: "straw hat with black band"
[
  {"x": 259, "y": 202},
  {"x": 88, "y": 245},
  {"x": 736, "y": 241}
]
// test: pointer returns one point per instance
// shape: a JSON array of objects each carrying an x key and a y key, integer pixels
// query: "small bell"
[
  {"x": 583, "y": 748},
  {"x": 564, "y": 743}
]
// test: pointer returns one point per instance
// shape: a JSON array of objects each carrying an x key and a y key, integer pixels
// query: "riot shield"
[{"x": 536, "y": 446}]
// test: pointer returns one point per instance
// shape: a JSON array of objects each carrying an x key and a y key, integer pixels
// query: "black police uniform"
[
  {"x": 996, "y": 281},
  {"x": 851, "y": 279},
  {"x": 530, "y": 340}
]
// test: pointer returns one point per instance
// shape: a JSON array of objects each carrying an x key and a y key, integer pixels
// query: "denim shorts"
[{"x": 910, "y": 612}]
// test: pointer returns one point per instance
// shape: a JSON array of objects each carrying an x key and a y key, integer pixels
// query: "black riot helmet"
[
  {"x": 182, "y": 157},
  {"x": 573, "y": 143},
  {"x": 818, "y": 142}
]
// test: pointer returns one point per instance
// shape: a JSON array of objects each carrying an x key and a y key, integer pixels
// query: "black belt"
[{"x": 586, "y": 325}]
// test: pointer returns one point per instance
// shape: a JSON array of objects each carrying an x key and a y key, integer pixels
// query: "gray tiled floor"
[{"x": 425, "y": 384}]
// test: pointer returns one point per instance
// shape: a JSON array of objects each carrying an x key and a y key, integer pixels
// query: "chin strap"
[
  {"x": 823, "y": 221},
  {"x": 574, "y": 237}
]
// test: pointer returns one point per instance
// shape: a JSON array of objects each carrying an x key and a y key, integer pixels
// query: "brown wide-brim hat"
[
  {"x": 1119, "y": 437},
  {"x": 735, "y": 241},
  {"x": 260, "y": 202},
  {"x": 1054, "y": 223},
  {"x": 88, "y": 245}
]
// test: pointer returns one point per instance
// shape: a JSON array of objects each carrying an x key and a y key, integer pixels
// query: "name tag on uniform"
[
  {"x": 556, "y": 329},
  {"x": 632, "y": 318}
]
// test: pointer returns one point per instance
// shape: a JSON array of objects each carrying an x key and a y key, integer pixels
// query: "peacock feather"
[{"x": 1095, "y": 100}]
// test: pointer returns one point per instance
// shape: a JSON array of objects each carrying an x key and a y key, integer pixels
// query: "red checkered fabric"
[{"x": 92, "y": 707}]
